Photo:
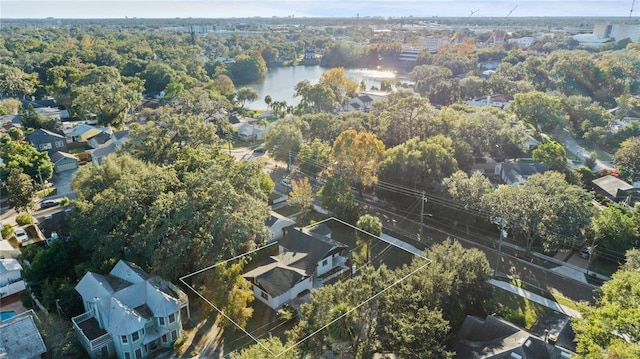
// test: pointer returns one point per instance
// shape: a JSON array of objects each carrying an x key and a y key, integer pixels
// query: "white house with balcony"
[
  {"x": 128, "y": 314},
  {"x": 302, "y": 260}
]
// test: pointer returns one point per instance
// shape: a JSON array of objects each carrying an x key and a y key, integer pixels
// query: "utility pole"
[
  {"x": 422, "y": 202},
  {"x": 289, "y": 163},
  {"x": 495, "y": 271}
]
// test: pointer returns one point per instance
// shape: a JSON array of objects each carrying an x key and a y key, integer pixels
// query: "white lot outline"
[{"x": 182, "y": 279}]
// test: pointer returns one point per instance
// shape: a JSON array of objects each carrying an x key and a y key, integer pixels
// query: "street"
[{"x": 516, "y": 268}]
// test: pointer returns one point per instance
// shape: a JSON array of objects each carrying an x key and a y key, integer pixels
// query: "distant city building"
[
  {"x": 523, "y": 42},
  {"x": 617, "y": 32},
  {"x": 434, "y": 43}
]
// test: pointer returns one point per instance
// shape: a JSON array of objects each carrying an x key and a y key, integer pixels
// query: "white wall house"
[
  {"x": 10, "y": 278},
  {"x": 302, "y": 258},
  {"x": 277, "y": 224},
  {"x": 128, "y": 314}
]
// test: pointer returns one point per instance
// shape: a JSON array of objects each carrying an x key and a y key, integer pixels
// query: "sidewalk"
[{"x": 535, "y": 298}]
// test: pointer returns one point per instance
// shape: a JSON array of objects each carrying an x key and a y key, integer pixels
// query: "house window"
[
  {"x": 174, "y": 336},
  {"x": 127, "y": 355},
  {"x": 59, "y": 144},
  {"x": 124, "y": 339},
  {"x": 45, "y": 146},
  {"x": 172, "y": 318},
  {"x": 135, "y": 336},
  {"x": 264, "y": 295},
  {"x": 324, "y": 262},
  {"x": 138, "y": 353},
  {"x": 164, "y": 338},
  {"x": 161, "y": 320}
]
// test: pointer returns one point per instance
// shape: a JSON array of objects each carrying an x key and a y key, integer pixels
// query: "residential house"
[
  {"x": 7, "y": 250},
  {"x": 309, "y": 53},
  {"x": 495, "y": 338},
  {"x": 117, "y": 140},
  {"x": 10, "y": 278},
  {"x": 278, "y": 226},
  {"x": 20, "y": 338},
  {"x": 517, "y": 173},
  {"x": 15, "y": 119},
  {"x": 128, "y": 313},
  {"x": 360, "y": 103},
  {"x": 83, "y": 131},
  {"x": 5, "y": 127},
  {"x": 52, "y": 113},
  {"x": 99, "y": 139},
  {"x": 63, "y": 161},
  {"x": 523, "y": 42},
  {"x": 620, "y": 120},
  {"x": 499, "y": 101},
  {"x": 252, "y": 132},
  {"x": 301, "y": 262},
  {"x": 44, "y": 140},
  {"x": 616, "y": 190}
]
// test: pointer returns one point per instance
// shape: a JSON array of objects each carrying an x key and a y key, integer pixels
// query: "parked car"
[
  {"x": 21, "y": 235},
  {"x": 259, "y": 150},
  {"x": 49, "y": 203},
  {"x": 286, "y": 182},
  {"x": 585, "y": 252}
]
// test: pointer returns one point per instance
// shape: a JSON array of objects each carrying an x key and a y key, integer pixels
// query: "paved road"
[
  {"x": 570, "y": 143},
  {"x": 519, "y": 268}
]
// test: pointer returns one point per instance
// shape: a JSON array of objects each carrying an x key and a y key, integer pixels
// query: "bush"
[
  {"x": 7, "y": 231},
  {"x": 178, "y": 343},
  {"x": 65, "y": 201},
  {"x": 24, "y": 218}
]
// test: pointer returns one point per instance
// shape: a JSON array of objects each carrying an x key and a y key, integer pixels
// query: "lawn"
[
  {"x": 517, "y": 309},
  {"x": 263, "y": 323},
  {"x": 546, "y": 294},
  {"x": 592, "y": 147}
]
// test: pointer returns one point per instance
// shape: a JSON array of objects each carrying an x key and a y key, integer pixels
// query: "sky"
[{"x": 306, "y": 8}]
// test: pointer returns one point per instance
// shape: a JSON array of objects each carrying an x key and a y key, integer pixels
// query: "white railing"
[{"x": 100, "y": 341}]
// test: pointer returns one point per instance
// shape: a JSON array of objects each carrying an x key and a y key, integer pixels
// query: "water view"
[{"x": 279, "y": 82}]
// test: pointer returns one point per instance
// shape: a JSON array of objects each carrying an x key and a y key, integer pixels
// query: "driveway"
[
  {"x": 62, "y": 182},
  {"x": 570, "y": 143}
]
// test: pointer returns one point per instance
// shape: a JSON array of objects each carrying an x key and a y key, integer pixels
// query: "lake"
[{"x": 279, "y": 82}]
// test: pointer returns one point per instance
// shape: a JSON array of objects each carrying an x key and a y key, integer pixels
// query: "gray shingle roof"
[
  {"x": 127, "y": 297},
  {"x": 20, "y": 339},
  {"x": 611, "y": 185}
]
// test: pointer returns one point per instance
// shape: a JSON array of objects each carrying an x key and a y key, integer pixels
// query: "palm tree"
[{"x": 267, "y": 100}]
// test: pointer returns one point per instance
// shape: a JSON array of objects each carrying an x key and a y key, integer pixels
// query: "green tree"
[
  {"x": 358, "y": 155},
  {"x": 15, "y": 82},
  {"x": 336, "y": 196},
  {"x": 268, "y": 100},
  {"x": 247, "y": 68},
  {"x": 156, "y": 77},
  {"x": 23, "y": 155},
  {"x": 468, "y": 190},
  {"x": 417, "y": 164},
  {"x": 246, "y": 94},
  {"x": 313, "y": 159},
  {"x": 632, "y": 260},
  {"x": 21, "y": 190},
  {"x": 614, "y": 228},
  {"x": 266, "y": 349},
  {"x": 342, "y": 86},
  {"x": 230, "y": 292},
  {"x": 315, "y": 98},
  {"x": 102, "y": 95},
  {"x": 542, "y": 111},
  {"x": 609, "y": 329},
  {"x": 169, "y": 219},
  {"x": 301, "y": 194},
  {"x": 283, "y": 140},
  {"x": 369, "y": 224},
  {"x": 552, "y": 155},
  {"x": 627, "y": 158},
  {"x": 546, "y": 207}
]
